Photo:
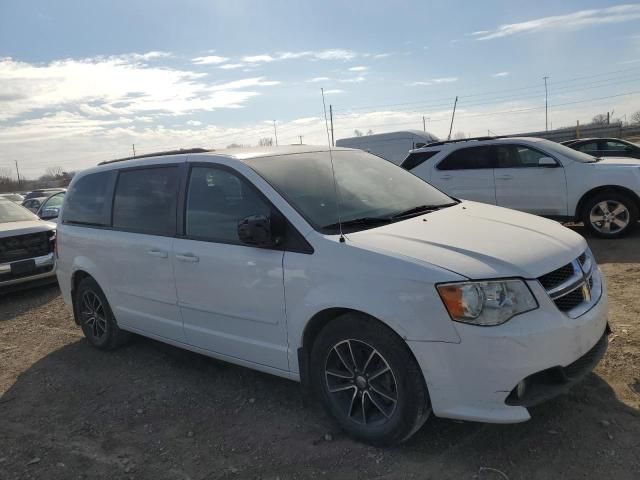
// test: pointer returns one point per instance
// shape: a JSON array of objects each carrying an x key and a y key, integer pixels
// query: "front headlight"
[{"x": 490, "y": 302}]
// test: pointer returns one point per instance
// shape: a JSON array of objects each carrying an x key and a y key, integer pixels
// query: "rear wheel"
[
  {"x": 369, "y": 381},
  {"x": 610, "y": 215},
  {"x": 96, "y": 318}
]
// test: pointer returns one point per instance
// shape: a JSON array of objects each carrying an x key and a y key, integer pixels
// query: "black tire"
[
  {"x": 385, "y": 422},
  {"x": 629, "y": 216},
  {"x": 94, "y": 315}
]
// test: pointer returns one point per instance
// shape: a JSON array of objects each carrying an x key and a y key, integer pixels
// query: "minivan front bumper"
[{"x": 476, "y": 378}]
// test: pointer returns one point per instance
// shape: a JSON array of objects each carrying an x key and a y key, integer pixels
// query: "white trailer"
[{"x": 392, "y": 146}]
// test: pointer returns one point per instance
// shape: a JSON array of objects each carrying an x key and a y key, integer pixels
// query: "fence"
[{"x": 616, "y": 130}]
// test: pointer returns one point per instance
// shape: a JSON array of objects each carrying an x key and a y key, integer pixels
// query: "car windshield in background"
[
  {"x": 10, "y": 212},
  {"x": 568, "y": 152},
  {"x": 372, "y": 191}
]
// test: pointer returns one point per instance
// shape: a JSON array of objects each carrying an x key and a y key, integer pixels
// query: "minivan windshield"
[
  {"x": 372, "y": 191},
  {"x": 10, "y": 212},
  {"x": 568, "y": 152}
]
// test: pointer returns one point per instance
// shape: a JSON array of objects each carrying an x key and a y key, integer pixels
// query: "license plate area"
[{"x": 24, "y": 267}]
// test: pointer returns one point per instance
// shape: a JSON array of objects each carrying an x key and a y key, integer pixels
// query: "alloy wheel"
[
  {"x": 361, "y": 383},
  {"x": 609, "y": 217},
  {"x": 93, "y": 315}
]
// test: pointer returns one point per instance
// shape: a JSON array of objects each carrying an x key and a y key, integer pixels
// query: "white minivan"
[{"x": 384, "y": 296}]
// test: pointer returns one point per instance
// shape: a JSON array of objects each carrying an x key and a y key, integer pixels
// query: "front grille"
[
  {"x": 572, "y": 287},
  {"x": 570, "y": 300},
  {"x": 555, "y": 278},
  {"x": 22, "y": 247}
]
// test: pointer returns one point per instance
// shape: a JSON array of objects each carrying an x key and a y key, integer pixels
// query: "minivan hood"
[
  {"x": 10, "y": 229},
  {"x": 478, "y": 241}
]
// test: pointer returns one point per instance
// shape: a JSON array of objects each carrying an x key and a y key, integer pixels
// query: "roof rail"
[
  {"x": 444, "y": 142},
  {"x": 158, "y": 154}
]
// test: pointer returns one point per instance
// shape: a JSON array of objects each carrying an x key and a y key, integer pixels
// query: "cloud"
[
  {"x": 293, "y": 55},
  {"x": 335, "y": 54},
  {"x": 232, "y": 66},
  {"x": 258, "y": 58},
  {"x": 317, "y": 79},
  {"x": 352, "y": 80},
  {"x": 418, "y": 84},
  {"x": 445, "y": 80},
  {"x": 381, "y": 55},
  {"x": 117, "y": 85},
  {"x": 335, "y": 90},
  {"x": 500, "y": 74},
  {"x": 571, "y": 21},
  {"x": 194, "y": 123},
  {"x": 360, "y": 68},
  {"x": 209, "y": 60}
]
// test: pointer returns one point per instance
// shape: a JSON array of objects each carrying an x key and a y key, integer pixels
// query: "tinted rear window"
[
  {"x": 88, "y": 200},
  {"x": 469, "y": 158},
  {"x": 417, "y": 158},
  {"x": 145, "y": 200}
]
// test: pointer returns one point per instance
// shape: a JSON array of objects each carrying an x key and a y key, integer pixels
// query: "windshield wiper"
[
  {"x": 366, "y": 221},
  {"x": 420, "y": 209}
]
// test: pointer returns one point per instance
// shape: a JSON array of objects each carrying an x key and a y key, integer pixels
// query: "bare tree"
[
  {"x": 369, "y": 132},
  {"x": 635, "y": 117},
  {"x": 600, "y": 119},
  {"x": 266, "y": 142},
  {"x": 357, "y": 133},
  {"x": 459, "y": 136},
  {"x": 54, "y": 172},
  {"x": 237, "y": 145},
  {"x": 5, "y": 174}
]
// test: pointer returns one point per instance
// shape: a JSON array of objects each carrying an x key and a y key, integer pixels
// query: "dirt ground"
[{"x": 156, "y": 412}]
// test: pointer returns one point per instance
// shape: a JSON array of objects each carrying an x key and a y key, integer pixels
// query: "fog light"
[{"x": 521, "y": 388}]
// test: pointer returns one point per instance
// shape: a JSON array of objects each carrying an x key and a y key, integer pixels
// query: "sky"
[{"x": 83, "y": 81}]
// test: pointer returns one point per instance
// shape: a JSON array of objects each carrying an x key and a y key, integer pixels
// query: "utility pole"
[
  {"x": 546, "y": 105},
  {"x": 300, "y": 139},
  {"x": 17, "y": 173},
  {"x": 133, "y": 147},
  {"x": 275, "y": 132},
  {"x": 333, "y": 142},
  {"x": 608, "y": 118},
  {"x": 453, "y": 115},
  {"x": 424, "y": 124}
]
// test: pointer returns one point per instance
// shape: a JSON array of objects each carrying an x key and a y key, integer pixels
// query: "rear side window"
[
  {"x": 417, "y": 158},
  {"x": 88, "y": 201},
  {"x": 469, "y": 158},
  {"x": 588, "y": 147},
  {"x": 145, "y": 200}
]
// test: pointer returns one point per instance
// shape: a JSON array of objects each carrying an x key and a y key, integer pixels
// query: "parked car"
[
  {"x": 606, "y": 147},
  {"x": 50, "y": 207},
  {"x": 43, "y": 192},
  {"x": 392, "y": 146},
  {"x": 26, "y": 247},
  {"x": 33, "y": 204},
  {"x": 536, "y": 176},
  {"x": 14, "y": 197},
  {"x": 384, "y": 296}
]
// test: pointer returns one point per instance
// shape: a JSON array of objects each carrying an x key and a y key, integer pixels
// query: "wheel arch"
[
  {"x": 316, "y": 324},
  {"x": 76, "y": 278},
  {"x": 605, "y": 189}
]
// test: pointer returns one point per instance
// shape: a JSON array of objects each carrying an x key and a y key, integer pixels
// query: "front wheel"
[
  {"x": 610, "y": 215},
  {"x": 369, "y": 381}
]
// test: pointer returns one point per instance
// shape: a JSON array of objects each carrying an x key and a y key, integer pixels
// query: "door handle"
[
  {"x": 157, "y": 253},
  {"x": 187, "y": 257},
  {"x": 504, "y": 177},
  {"x": 445, "y": 177}
]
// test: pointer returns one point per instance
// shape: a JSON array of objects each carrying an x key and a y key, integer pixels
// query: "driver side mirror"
[
  {"x": 547, "y": 162},
  {"x": 258, "y": 231},
  {"x": 49, "y": 213}
]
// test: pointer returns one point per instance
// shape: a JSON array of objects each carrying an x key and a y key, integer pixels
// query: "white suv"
[
  {"x": 536, "y": 176},
  {"x": 385, "y": 296}
]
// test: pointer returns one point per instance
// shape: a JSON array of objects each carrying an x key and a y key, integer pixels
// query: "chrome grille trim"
[{"x": 586, "y": 278}]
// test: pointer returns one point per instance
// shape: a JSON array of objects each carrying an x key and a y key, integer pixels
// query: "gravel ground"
[{"x": 153, "y": 411}]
